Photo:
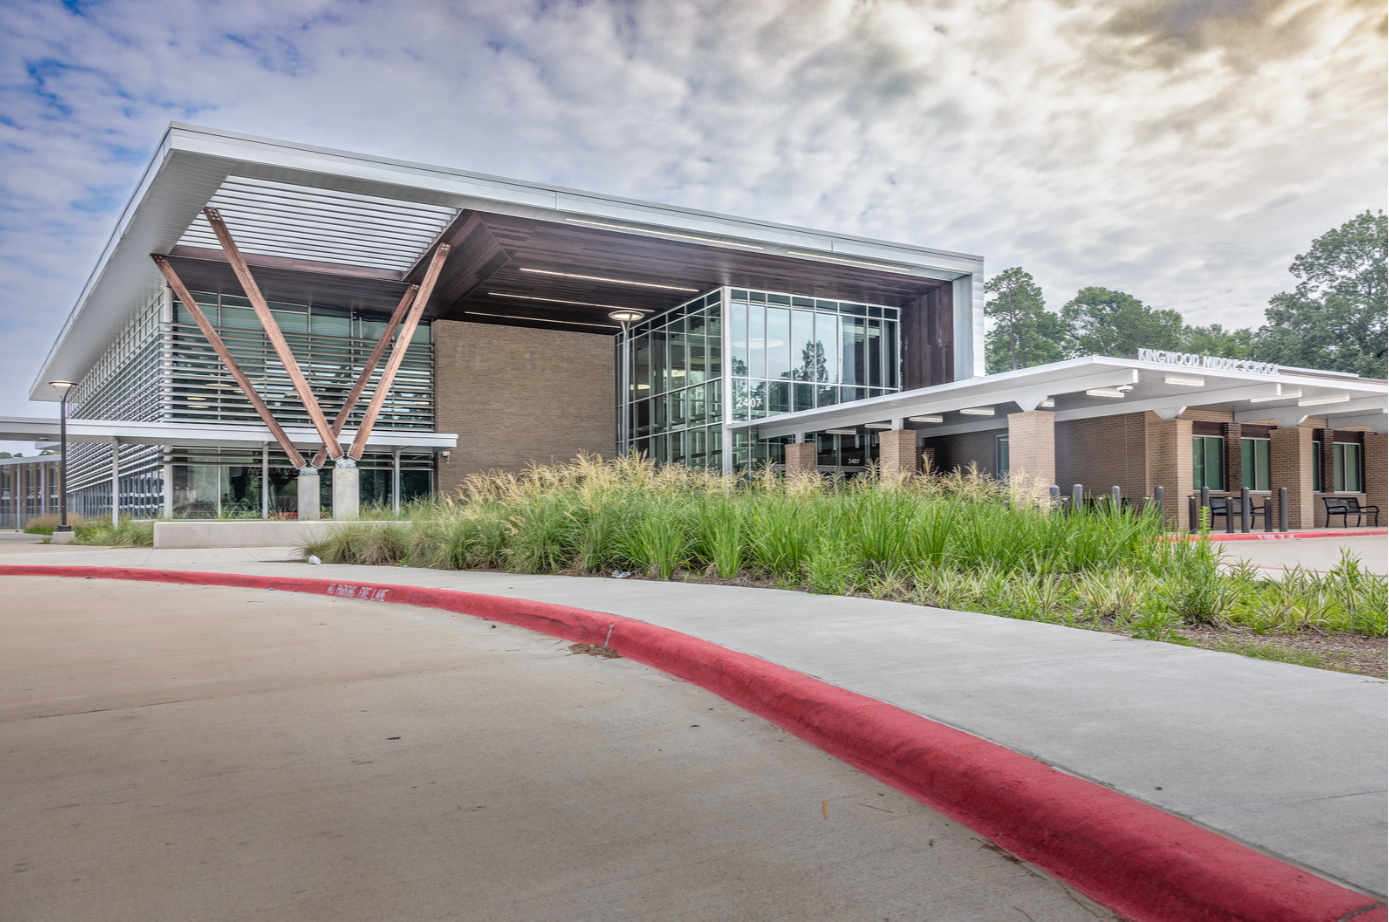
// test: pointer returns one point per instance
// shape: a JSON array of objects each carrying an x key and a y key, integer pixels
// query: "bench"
[
  {"x": 1229, "y": 506},
  {"x": 1347, "y": 506}
]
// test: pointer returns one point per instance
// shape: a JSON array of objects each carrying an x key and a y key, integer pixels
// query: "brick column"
[
  {"x": 800, "y": 458},
  {"x": 1328, "y": 471},
  {"x": 1376, "y": 483},
  {"x": 1290, "y": 465},
  {"x": 1169, "y": 466},
  {"x": 1233, "y": 459},
  {"x": 897, "y": 454},
  {"x": 1032, "y": 446}
]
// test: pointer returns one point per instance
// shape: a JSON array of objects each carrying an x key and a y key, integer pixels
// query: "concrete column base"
[
  {"x": 308, "y": 497},
  {"x": 800, "y": 458},
  {"x": 63, "y": 537},
  {"x": 347, "y": 493},
  {"x": 897, "y": 454}
]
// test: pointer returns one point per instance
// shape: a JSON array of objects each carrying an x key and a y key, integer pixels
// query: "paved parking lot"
[{"x": 189, "y": 753}]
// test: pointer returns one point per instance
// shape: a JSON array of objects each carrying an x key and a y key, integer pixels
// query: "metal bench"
[
  {"x": 1347, "y": 506},
  {"x": 1229, "y": 506}
]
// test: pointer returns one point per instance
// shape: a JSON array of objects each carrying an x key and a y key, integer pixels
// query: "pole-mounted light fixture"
[
  {"x": 626, "y": 318},
  {"x": 63, "y": 388}
]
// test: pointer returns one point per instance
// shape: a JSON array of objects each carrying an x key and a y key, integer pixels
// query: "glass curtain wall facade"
[
  {"x": 161, "y": 368},
  {"x": 736, "y": 354}
]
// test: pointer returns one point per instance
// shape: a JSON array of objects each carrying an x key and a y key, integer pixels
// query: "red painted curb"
[
  {"x": 1285, "y": 535},
  {"x": 1138, "y": 860}
]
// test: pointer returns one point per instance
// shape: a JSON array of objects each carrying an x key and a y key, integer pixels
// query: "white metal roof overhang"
[
  {"x": 201, "y": 436},
  {"x": 1096, "y": 386},
  {"x": 379, "y": 215}
]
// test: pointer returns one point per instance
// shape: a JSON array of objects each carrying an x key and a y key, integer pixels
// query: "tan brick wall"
[
  {"x": 897, "y": 453},
  {"x": 800, "y": 457},
  {"x": 1376, "y": 475},
  {"x": 1290, "y": 465},
  {"x": 1209, "y": 416},
  {"x": 1169, "y": 465},
  {"x": 1102, "y": 453},
  {"x": 1032, "y": 446},
  {"x": 516, "y": 395}
]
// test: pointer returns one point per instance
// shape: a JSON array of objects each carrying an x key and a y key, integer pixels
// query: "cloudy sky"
[{"x": 1180, "y": 150}]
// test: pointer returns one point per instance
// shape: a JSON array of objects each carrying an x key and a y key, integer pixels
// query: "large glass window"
[
  {"x": 1001, "y": 451},
  {"x": 1254, "y": 463},
  {"x": 1316, "y": 466},
  {"x": 1345, "y": 464},
  {"x": 1208, "y": 462}
]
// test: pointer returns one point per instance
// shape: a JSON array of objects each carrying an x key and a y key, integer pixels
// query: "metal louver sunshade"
[{"x": 325, "y": 225}]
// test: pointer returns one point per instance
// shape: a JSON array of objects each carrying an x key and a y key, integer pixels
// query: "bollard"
[
  {"x": 1114, "y": 500},
  {"x": 1282, "y": 508},
  {"x": 1206, "y": 505},
  {"x": 1054, "y": 494},
  {"x": 1193, "y": 516},
  {"x": 1268, "y": 514},
  {"x": 1246, "y": 511},
  {"x": 1077, "y": 497},
  {"x": 1229, "y": 519},
  {"x": 1157, "y": 498}
]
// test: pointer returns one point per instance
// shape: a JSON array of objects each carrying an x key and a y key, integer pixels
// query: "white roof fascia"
[
  {"x": 193, "y": 162},
  {"x": 550, "y": 202},
  {"x": 1073, "y": 377}
]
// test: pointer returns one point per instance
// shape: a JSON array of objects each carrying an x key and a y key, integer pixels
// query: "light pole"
[
  {"x": 626, "y": 318},
  {"x": 63, "y": 388}
]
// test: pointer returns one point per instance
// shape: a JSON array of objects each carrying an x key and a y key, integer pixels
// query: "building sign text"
[{"x": 1210, "y": 362}]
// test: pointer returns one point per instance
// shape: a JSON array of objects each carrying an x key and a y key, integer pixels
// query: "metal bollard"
[
  {"x": 1282, "y": 508},
  {"x": 1114, "y": 500},
  {"x": 1268, "y": 514},
  {"x": 1246, "y": 512},
  {"x": 1054, "y": 493},
  {"x": 1193, "y": 514},
  {"x": 1157, "y": 498},
  {"x": 1077, "y": 497},
  {"x": 1206, "y": 504}
]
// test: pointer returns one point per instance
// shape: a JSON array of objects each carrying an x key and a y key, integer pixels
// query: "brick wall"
[
  {"x": 516, "y": 395},
  {"x": 897, "y": 454},
  {"x": 1032, "y": 446},
  {"x": 1102, "y": 453},
  {"x": 1377, "y": 474},
  {"x": 1290, "y": 465},
  {"x": 1168, "y": 452},
  {"x": 951, "y": 452}
]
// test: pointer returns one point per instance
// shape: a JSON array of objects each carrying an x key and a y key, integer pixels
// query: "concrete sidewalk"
[{"x": 1289, "y": 760}]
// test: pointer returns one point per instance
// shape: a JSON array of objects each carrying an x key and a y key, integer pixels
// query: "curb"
[
  {"x": 1138, "y": 860},
  {"x": 1283, "y": 535}
]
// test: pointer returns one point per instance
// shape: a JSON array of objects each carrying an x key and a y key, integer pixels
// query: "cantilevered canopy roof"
[
  {"x": 1095, "y": 386},
  {"x": 329, "y": 227}
]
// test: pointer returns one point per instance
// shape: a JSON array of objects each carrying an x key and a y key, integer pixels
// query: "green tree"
[
  {"x": 1105, "y": 322},
  {"x": 1335, "y": 320},
  {"x": 1216, "y": 340},
  {"x": 1026, "y": 333}
]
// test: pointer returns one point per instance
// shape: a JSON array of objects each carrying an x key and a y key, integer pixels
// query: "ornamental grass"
[{"x": 958, "y": 540}]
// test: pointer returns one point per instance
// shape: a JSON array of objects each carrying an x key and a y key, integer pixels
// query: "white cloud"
[{"x": 1181, "y": 151}]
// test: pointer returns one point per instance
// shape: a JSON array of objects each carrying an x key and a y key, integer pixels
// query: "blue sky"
[{"x": 1182, "y": 151}]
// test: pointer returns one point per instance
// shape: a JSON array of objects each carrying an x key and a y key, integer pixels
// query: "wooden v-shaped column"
[
  {"x": 272, "y": 332},
  {"x": 223, "y": 353},
  {"x": 402, "y": 343},
  {"x": 367, "y": 371}
]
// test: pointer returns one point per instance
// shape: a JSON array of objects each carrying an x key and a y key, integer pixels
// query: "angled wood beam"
[
  {"x": 402, "y": 343},
  {"x": 272, "y": 332},
  {"x": 367, "y": 370},
  {"x": 225, "y": 355}
]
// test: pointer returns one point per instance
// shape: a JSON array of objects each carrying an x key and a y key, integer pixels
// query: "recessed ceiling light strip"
[
  {"x": 852, "y": 262},
  {"x": 608, "y": 307},
  {"x": 599, "y": 278},
  {"x": 572, "y": 323},
  {"x": 646, "y": 230}
]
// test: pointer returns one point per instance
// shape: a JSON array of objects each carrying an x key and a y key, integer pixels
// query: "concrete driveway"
[{"x": 190, "y": 753}]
